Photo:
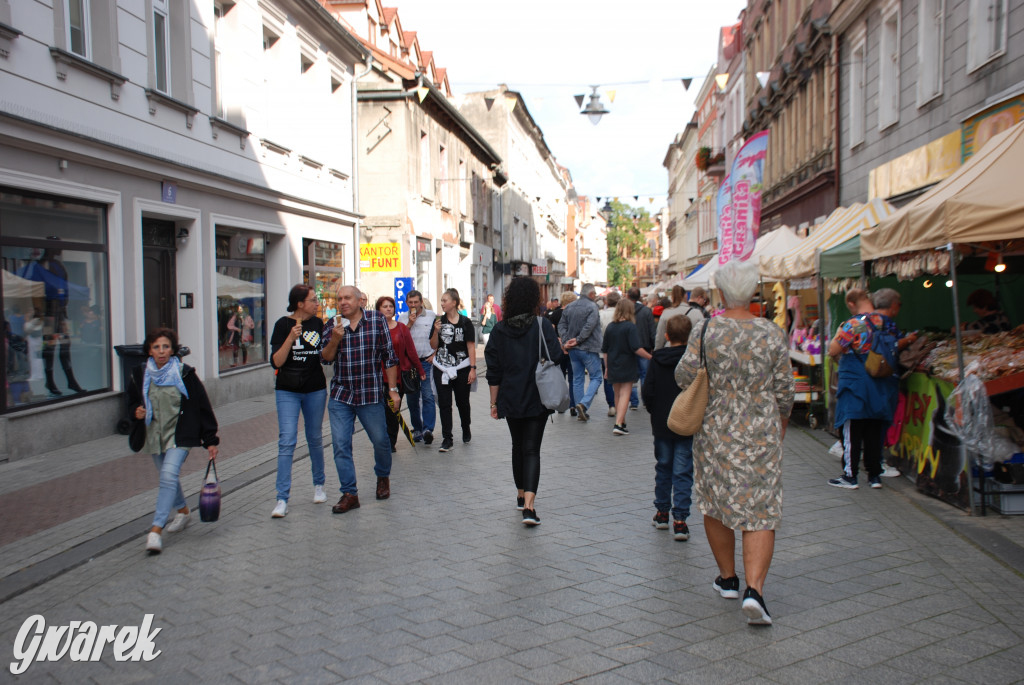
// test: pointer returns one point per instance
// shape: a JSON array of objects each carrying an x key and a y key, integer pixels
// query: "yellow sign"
[
  {"x": 979, "y": 128},
  {"x": 918, "y": 168},
  {"x": 380, "y": 257}
]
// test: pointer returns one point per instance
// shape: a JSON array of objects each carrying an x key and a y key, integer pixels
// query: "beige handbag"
[{"x": 687, "y": 413}]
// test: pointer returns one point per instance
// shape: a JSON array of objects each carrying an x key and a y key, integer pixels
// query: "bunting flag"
[
  {"x": 686, "y": 83},
  {"x": 579, "y": 100},
  {"x": 611, "y": 95},
  {"x": 489, "y": 102},
  {"x": 650, "y": 200},
  {"x": 636, "y": 198},
  {"x": 421, "y": 92},
  {"x": 616, "y": 199},
  {"x": 510, "y": 104},
  {"x": 722, "y": 80}
]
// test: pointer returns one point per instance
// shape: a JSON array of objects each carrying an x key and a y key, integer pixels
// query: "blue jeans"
[
  {"x": 641, "y": 367},
  {"x": 673, "y": 475},
  {"x": 425, "y": 420},
  {"x": 589, "y": 362},
  {"x": 288, "y": 406},
  {"x": 169, "y": 497},
  {"x": 343, "y": 423}
]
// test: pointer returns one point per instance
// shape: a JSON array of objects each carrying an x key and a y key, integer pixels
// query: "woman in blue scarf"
[{"x": 169, "y": 396}]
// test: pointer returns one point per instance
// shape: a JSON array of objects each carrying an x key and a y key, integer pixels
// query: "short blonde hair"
[
  {"x": 566, "y": 298},
  {"x": 625, "y": 310}
]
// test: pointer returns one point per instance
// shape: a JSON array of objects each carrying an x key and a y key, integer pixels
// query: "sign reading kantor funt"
[{"x": 380, "y": 257}]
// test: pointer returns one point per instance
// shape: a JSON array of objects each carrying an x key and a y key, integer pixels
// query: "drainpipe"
[{"x": 368, "y": 67}]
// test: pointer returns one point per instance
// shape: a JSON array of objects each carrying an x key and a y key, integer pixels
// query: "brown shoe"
[
  {"x": 383, "y": 488},
  {"x": 347, "y": 501}
]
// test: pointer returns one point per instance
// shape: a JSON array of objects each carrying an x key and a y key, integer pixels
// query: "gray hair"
[
  {"x": 885, "y": 298},
  {"x": 586, "y": 289},
  {"x": 737, "y": 281}
]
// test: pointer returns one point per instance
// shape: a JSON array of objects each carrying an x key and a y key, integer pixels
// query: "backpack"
[
  {"x": 702, "y": 311},
  {"x": 881, "y": 360}
]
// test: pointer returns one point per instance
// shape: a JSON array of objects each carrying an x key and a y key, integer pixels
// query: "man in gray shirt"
[
  {"x": 580, "y": 331},
  {"x": 421, "y": 323}
]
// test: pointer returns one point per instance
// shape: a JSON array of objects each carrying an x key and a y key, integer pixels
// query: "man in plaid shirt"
[{"x": 358, "y": 351}]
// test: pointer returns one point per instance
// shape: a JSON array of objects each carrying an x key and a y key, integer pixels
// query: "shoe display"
[
  {"x": 520, "y": 503},
  {"x": 530, "y": 517},
  {"x": 446, "y": 445},
  {"x": 754, "y": 609},
  {"x": 727, "y": 587},
  {"x": 875, "y": 482},
  {"x": 154, "y": 545},
  {"x": 180, "y": 521},
  {"x": 660, "y": 520},
  {"x": 347, "y": 502},
  {"x": 620, "y": 429},
  {"x": 890, "y": 471},
  {"x": 611, "y": 412},
  {"x": 467, "y": 435},
  {"x": 319, "y": 496},
  {"x": 680, "y": 531},
  {"x": 844, "y": 482},
  {"x": 581, "y": 413},
  {"x": 383, "y": 488},
  {"x": 280, "y": 510},
  {"x": 428, "y": 437}
]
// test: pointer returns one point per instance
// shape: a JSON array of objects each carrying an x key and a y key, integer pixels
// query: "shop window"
[
  {"x": 55, "y": 298},
  {"x": 986, "y": 32},
  {"x": 241, "y": 297},
  {"x": 323, "y": 266},
  {"x": 930, "y": 31}
]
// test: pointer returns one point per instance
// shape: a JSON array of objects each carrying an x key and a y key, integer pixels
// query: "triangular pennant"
[
  {"x": 510, "y": 104},
  {"x": 579, "y": 100},
  {"x": 650, "y": 200},
  {"x": 598, "y": 199},
  {"x": 636, "y": 198},
  {"x": 686, "y": 83},
  {"x": 421, "y": 92},
  {"x": 722, "y": 80},
  {"x": 611, "y": 95},
  {"x": 616, "y": 199},
  {"x": 489, "y": 102}
]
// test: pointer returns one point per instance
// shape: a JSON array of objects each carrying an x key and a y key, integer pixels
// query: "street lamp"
[{"x": 594, "y": 109}]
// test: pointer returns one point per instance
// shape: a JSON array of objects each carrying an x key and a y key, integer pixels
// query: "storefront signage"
[
  {"x": 540, "y": 270},
  {"x": 402, "y": 287},
  {"x": 423, "y": 251},
  {"x": 169, "y": 192},
  {"x": 380, "y": 257},
  {"x": 916, "y": 169},
  {"x": 978, "y": 129}
]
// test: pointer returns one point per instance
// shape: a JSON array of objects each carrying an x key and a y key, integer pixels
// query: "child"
[{"x": 674, "y": 453}]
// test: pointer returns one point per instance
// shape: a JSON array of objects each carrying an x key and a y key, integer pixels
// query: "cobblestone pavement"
[{"x": 443, "y": 584}]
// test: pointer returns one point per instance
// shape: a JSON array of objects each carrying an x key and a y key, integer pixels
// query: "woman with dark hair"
[
  {"x": 512, "y": 356},
  {"x": 454, "y": 342},
  {"x": 408, "y": 362},
  {"x": 300, "y": 385},
  {"x": 171, "y": 399},
  {"x": 991, "y": 319}
]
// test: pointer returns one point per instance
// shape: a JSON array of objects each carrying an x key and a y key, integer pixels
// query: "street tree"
[{"x": 627, "y": 228}]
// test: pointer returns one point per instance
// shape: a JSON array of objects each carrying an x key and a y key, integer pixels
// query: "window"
[
  {"x": 442, "y": 176},
  {"x": 930, "y": 31},
  {"x": 462, "y": 186},
  {"x": 986, "y": 31},
  {"x": 55, "y": 298},
  {"x": 371, "y": 31},
  {"x": 161, "y": 46},
  {"x": 270, "y": 38},
  {"x": 857, "y": 93},
  {"x": 323, "y": 266},
  {"x": 241, "y": 297},
  {"x": 889, "y": 70},
  {"x": 305, "y": 62},
  {"x": 425, "y": 166},
  {"x": 335, "y": 83},
  {"x": 78, "y": 27},
  {"x": 220, "y": 9}
]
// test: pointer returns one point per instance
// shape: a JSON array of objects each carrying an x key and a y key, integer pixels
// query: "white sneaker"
[
  {"x": 890, "y": 472},
  {"x": 154, "y": 545},
  {"x": 319, "y": 496},
  {"x": 179, "y": 522},
  {"x": 611, "y": 411},
  {"x": 280, "y": 510}
]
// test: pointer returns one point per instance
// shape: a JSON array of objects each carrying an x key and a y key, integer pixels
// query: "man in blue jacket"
[{"x": 580, "y": 332}]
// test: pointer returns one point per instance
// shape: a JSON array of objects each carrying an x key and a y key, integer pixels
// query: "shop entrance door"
[{"x": 159, "y": 269}]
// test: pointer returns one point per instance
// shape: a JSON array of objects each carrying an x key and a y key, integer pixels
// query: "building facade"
[{"x": 681, "y": 232}]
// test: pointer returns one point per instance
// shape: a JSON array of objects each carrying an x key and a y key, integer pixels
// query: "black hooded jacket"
[
  {"x": 659, "y": 389},
  {"x": 197, "y": 425},
  {"x": 511, "y": 356}
]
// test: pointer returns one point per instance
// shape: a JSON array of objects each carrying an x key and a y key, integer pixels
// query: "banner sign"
[
  {"x": 723, "y": 207},
  {"x": 746, "y": 181},
  {"x": 380, "y": 257},
  {"x": 402, "y": 287}
]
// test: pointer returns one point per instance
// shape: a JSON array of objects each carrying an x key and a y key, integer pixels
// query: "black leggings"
[
  {"x": 527, "y": 434},
  {"x": 863, "y": 436},
  {"x": 458, "y": 386}
]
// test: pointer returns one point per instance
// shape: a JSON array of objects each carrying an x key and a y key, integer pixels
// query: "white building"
[
  {"x": 683, "y": 225},
  {"x": 163, "y": 162}
]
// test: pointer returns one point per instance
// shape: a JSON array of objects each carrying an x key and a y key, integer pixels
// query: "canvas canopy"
[
  {"x": 16, "y": 286},
  {"x": 841, "y": 225},
  {"x": 779, "y": 241},
  {"x": 843, "y": 260},
  {"x": 980, "y": 202}
]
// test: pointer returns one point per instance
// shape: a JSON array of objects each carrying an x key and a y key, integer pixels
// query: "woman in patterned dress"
[{"x": 737, "y": 453}]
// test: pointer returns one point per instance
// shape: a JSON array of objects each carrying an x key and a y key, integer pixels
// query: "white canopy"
[
  {"x": 16, "y": 286},
  {"x": 779, "y": 241}
]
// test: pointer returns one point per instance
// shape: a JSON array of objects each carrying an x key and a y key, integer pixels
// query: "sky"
[{"x": 551, "y": 50}]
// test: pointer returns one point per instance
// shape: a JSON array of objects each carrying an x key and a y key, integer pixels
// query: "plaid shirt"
[{"x": 361, "y": 353}]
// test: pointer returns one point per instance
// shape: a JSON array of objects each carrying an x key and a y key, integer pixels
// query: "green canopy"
[{"x": 843, "y": 260}]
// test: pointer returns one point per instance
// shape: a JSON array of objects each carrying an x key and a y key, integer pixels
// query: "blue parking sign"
[{"x": 402, "y": 287}]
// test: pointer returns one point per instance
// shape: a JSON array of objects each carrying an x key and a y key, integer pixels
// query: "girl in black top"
[
  {"x": 512, "y": 356},
  {"x": 300, "y": 386},
  {"x": 454, "y": 339}
]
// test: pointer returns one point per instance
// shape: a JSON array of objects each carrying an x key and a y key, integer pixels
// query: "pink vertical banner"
[
  {"x": 723, "y": 206},
  {"x": 747, "y": 183}
]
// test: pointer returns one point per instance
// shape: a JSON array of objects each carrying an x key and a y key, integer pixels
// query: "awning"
[
  {"x": 843, "y": 260},
  {"x": 980, "y": 202},
  {"x": 841, "y": 225},
  {"x": 16, "y": 286},
  {"x": 781, "y": 240}
]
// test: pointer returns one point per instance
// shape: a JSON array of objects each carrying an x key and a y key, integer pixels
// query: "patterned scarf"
[{"x": 169, "y": 375}]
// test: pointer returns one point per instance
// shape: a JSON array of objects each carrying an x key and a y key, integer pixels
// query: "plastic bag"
[{"x": 969, "y": 415}]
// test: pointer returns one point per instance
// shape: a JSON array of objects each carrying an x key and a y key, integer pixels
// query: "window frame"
[
  {"x": 889, "y": 74},
  {"x": 857, "y": 104},
  {"x": 996, "y": 44},
  {"x": 935, "y": 60},
  {"x": 86, "y": 29},
  {"x": 162, "y": 10}
]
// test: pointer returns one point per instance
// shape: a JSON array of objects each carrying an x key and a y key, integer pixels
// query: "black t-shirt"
[
  {"x": 452, "y": 339},
  {"x": 305, "y": 352}
]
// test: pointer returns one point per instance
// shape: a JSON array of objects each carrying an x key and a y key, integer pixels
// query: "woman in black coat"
[
  {"x": 172, "y": 401},
  {"x": 512, "y": 356}
]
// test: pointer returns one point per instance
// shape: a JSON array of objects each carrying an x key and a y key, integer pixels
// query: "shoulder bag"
[
  {"x": 554, "y": 391},
  {"x": 687, "y": 413},
  {"x": 209, "y": 496}
]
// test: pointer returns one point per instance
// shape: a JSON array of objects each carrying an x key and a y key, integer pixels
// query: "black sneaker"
[
  {"x": 530, "y": 517},
  {"x": 620, "y": 429},
  {"x": 727, "y": 587},
  {"x": 875, "y": 482},
  {"x": 428, "y": 437},
  {"x": 446, "y": 445},
  {"x": 520, "y": 503},
  {"x": 466, "y": 435},
  {"x": 680, "y": 531},
  {"x": 844, "y": 482},
  {"x": 660, "y": 520},
  {"x": 754, "y": 608}
]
